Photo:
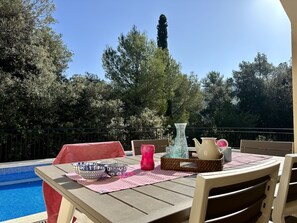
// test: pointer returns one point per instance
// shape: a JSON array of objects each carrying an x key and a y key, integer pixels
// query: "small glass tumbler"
[
  {"x": 173, "y": 151},
  {"x": 227, "y": 151},
  {"x": 147, "y": 159}
]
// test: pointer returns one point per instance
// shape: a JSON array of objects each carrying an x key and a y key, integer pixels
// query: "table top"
[{"x": 168, "y": 201}]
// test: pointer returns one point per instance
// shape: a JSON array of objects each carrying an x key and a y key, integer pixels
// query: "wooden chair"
[
  {"x": 285, "y": 203},
  {"x": 77, "y": 153},
  {"x": 274, "y": 148},
  {"x": 235, "y": 196},
  {"x": 160, "y": 145}
]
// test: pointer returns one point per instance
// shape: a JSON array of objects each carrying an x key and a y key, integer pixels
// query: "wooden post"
[{"x": 290, "y": 7}]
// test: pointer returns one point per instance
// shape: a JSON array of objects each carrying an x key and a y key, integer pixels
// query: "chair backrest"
[
  {"x": 274, "y": 148},
  {"x": 160, "y": 145},
  {"x": 76, "y": 153},
  {"x": 89, "y": 151},
  {"x": 285, "y": 202},
  {"x": 235, "y": 196}
]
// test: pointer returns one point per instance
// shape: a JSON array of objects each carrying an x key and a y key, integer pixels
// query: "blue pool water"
[{"x": 20, "y": 193}]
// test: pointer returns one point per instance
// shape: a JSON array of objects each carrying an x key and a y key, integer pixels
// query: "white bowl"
[
  {"x": 91, "y": 171},
  {"x": 76, "y": 166},
  {"x": 116, "y": 169}
]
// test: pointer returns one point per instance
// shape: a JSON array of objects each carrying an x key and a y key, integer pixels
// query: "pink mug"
[{"x": 147, "y": 159}]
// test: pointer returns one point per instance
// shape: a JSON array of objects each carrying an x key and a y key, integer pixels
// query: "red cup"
[{"x": 147, "y": 159}]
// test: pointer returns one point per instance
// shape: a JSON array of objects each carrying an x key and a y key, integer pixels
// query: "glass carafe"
[{"x": 180, "y": 140}]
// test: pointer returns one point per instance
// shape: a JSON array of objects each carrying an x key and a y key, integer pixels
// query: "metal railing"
[{"x": 25, "y": 144}]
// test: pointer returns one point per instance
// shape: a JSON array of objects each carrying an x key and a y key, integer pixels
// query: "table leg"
[{"x": 66, "y": 211}]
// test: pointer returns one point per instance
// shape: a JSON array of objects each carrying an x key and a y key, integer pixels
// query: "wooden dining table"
[{"x": 167, "y": 201}]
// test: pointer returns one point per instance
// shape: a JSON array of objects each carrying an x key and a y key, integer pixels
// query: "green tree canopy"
[
  {"x": 250, "y": 88},
  {"x": 86, "y": 103},
  {"x": 32, "y": 61},
  {"x": 145, "y": 76},
  {"x": 279, "y": 98},
  {"x": 137, "y": 72},
  {"x": 265, "y": 91},
  {"x": 220, "y": 109},
  {"x": 28, "y": 45}
]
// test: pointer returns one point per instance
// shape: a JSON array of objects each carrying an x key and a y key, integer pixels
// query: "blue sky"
[{"x": 203, "y": 35}]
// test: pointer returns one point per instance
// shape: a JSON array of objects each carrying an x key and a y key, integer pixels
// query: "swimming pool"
[{"x": 20, "y": 192}]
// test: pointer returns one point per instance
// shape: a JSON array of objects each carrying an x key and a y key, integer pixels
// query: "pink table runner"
[
  {"x": 239, "y": 159},
  {"x": 132, "y": 178},
  {"x": 135, "y": 177}
]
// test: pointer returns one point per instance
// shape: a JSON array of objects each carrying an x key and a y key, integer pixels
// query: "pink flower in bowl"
[{"x": 222, "y": 143}]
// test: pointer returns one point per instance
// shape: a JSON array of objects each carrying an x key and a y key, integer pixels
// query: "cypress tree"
[
  {"x": 162, "y": 43},
  {"x": 162, "y": 32}
]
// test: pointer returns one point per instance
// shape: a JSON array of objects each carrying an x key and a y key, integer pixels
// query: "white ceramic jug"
[{"x": 208, "y": 149}]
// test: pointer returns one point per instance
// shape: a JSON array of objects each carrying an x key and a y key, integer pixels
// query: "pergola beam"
[{"x": 290, "y": 7}]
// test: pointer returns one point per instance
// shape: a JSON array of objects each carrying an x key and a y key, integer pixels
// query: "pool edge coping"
[
  {"x": 26, "y": 163},
  {"x": 33, "y": 218}
]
